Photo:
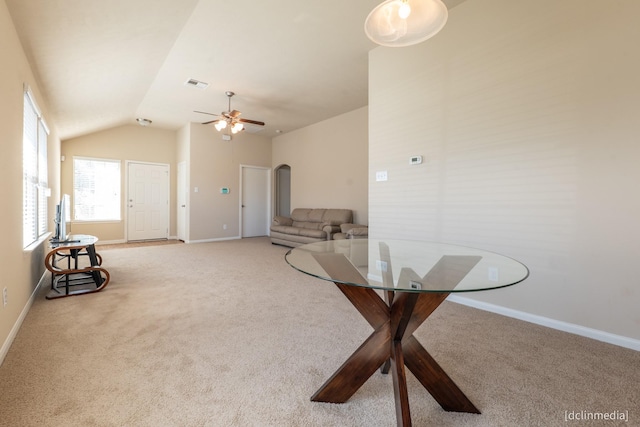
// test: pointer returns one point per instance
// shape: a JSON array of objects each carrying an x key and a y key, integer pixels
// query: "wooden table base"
[{"x": 392, "y": 340}]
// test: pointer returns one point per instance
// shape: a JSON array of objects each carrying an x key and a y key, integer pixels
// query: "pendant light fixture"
[{"x": 397, "y": 23}]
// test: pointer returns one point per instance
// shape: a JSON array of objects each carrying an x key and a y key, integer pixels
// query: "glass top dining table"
[{"x": 415, "y": 278}]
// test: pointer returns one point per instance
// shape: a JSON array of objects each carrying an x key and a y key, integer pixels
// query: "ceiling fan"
[{"x": 230, "y": 118}]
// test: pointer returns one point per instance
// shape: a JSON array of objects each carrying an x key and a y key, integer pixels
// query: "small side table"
[{"x": 76, "y": 278}]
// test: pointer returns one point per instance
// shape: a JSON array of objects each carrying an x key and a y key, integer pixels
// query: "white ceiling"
[{"x": 101, "y": 63}]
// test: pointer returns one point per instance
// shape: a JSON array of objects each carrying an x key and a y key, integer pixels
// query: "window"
[
  {"x": 34, "y": 169},
  {"x": 96, "y": 189}
]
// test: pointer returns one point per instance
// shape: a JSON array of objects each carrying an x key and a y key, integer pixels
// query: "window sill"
[{"x": 35, "y": 245}]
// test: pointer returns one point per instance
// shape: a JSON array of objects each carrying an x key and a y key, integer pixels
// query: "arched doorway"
[{"x": 283, "y": 190}]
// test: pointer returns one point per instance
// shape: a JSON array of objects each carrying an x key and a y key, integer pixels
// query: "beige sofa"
[{"x": 308, "y": 226}]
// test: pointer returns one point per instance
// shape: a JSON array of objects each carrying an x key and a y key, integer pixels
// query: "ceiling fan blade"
[
  {"x": 204, "y": 112},
  {"x": 211, "y": 121},
  {"x": 253, "y": 122},
  {"x": 234, "y": 113}
]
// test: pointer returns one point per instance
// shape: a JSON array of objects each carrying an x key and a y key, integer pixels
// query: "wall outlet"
[
  {"x": 381, "y": 265},
  {"x": 5, "y": 298},
  {"x": 493, "y": 274},
  {"x": 381, "y": 176},
  {"x": 224, "y": 226}
]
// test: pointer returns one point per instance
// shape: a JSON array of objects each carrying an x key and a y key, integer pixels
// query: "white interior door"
[
  {"x": 255, "y": 201},
  {"x": 182, "y": 201},
  {"x": 148, "y": 201}
]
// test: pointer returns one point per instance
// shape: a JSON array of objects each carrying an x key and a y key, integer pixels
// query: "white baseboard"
[
  {"x": 110, "y": 242},
  {"x": 16, "y": 327},
  {"x": 213, "y": 240},
  {"x": 571, "y": 328},
  {"x": 121, "y": 241}
]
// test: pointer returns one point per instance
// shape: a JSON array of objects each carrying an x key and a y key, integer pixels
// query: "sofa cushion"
[
  {"x": 308, "y": 225},
  {"x": 298, "y": 231},
  {"x": 301, "y": 215},
  {"x": 337, "y": 216},
  {"x": 322, "y": 216}
]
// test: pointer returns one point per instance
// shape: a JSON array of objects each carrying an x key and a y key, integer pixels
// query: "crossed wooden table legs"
[{"x": 392, "y": 340}]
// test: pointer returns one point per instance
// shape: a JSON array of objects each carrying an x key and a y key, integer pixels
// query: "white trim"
[
  {"x": 110, "y": 242},
  {"x": 121, "y": 241},
  {"x": 34, "y": 104},
  {"x": 571, "y": 328},
  {"x": 38, "y": 242},
  {"x": 4, "y": 350},
  {"x": 214, "y": 240},
  {"x": 184, "y": 190}
]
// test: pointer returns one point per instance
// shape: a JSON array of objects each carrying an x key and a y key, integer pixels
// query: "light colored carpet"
[{"x": 227, "y": 334}]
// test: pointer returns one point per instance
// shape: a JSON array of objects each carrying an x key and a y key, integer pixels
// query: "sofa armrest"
[
  {"x": 330, "y": 230},
  {"x": 282, "y": 220},
  {"x": 358, "y": 232}
]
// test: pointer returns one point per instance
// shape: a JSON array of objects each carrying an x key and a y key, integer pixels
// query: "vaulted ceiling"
[{"x": 102, "y": 64}]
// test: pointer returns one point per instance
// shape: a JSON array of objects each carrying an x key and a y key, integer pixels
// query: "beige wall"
[
  {"x": 21, "y": 269},
  {"x": 329, "y": 164},
  {"x": 213, "y": 164},
  {"x": 527, "y": 116},
  {"x": 134, "y": 143}
]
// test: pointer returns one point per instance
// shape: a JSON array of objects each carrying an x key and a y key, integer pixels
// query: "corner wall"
[{"x": 527, "y": 116}]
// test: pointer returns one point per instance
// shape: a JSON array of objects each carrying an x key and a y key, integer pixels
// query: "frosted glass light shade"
[{"x": 385, "y": 27}]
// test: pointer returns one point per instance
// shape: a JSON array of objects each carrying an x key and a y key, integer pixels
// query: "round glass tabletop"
[
  {"x": 75, "y": 241},
  {"x": 408, "y": 266}
]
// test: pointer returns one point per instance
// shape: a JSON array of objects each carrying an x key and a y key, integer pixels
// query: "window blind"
[{"x": 35, "y": 173}]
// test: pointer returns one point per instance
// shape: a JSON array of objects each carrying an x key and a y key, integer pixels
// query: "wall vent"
[{"x": 196, "y": 83}]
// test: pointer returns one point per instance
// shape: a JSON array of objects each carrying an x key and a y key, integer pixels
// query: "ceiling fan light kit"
[
  {"x": 231, "y": 119},
  {"x": 398, "y": 23},
  {"x": 237, "y": 127}
]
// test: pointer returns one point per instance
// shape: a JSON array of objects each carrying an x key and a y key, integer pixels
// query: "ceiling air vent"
[{"x": 196, "y": 83}]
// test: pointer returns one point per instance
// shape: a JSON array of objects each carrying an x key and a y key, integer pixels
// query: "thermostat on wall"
[
  {"x": 224, "y": 190},
  {"x": 415, "y": 160}
]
